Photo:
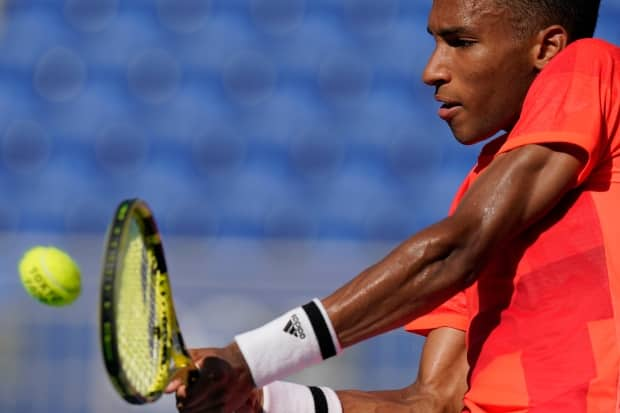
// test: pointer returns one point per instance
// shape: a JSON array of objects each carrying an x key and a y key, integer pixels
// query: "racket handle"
[
  {"x": 192, "y": 376},
  {"x": 188, "y": 375}
]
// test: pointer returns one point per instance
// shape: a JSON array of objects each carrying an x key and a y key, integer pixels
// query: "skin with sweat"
[{"x": 480, "y": 71}]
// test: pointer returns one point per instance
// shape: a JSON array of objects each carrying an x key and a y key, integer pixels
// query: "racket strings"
[{"x": 139, "y": 337}]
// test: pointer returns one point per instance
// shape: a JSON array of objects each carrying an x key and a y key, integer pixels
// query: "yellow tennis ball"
[{"x": 50, "y": 275}]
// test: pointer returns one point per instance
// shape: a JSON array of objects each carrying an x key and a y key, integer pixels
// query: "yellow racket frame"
[{"x": 171, "y": 355}]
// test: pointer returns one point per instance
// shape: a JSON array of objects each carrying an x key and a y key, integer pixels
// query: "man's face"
[{"x": 480, "y": 69}]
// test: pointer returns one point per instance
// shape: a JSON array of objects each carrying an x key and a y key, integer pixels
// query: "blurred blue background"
[{"x": 285, "y": 145}]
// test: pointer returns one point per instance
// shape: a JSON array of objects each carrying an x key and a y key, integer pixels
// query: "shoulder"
[
  {"x": 594, "y": 46},
  {"x": 597, "y": 49},
  {"x": 586, "y": 55}
]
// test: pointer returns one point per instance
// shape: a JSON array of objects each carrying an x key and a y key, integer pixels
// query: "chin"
[
  {"x": 467, "y": 141},
  {"x": 466, "y": 137}
]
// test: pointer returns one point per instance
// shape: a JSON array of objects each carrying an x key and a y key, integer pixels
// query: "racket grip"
[
  {"x": 187, "y": 375},
  {"x": 192, "y": 376}
]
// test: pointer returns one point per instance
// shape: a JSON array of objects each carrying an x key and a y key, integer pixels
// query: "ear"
[{"x": 548, "y": 43}]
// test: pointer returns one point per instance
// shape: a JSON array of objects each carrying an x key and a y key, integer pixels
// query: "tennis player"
[{"x": 527, "y": 263}]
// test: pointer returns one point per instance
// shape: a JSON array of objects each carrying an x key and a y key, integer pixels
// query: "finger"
[
  {"x": 195, "y": 402},
  {"x": 181, "y": 392},
  {"x": 181, "y": 397},
  {"x": 173, "y": 385},
  {"x": 215, "y": 400},
  {"x": 203, "y": 396},
  {"x": 180, "y": 403}
]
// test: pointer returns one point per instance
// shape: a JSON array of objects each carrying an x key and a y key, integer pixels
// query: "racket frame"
[{"x": 173, "y": 353}]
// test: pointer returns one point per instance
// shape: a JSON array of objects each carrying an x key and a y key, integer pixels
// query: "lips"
[{"x": 448, "y": 109}]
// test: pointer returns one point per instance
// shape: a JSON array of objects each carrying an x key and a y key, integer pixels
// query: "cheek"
[
  {"x": 497, "y": 95},
  {"x": 488, "y": 113},
  {"x": 493, "y": 85},
  {"x": 481, "y": 81},
  {"x": 514, "y": 78}
]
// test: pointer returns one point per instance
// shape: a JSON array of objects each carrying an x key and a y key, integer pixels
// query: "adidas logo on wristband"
[
  {"x": 294, "y": 328},
  {"x": 299, "y": 338}
]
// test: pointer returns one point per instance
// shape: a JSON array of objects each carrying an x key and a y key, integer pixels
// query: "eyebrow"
[{"x": 448, "y": 31}]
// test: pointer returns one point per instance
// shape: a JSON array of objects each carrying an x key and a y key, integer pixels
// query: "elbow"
[
  {"x": 469, "y": 267},
  {"x": 465, "y": 265},
  {"x": 465, "y": 251}
]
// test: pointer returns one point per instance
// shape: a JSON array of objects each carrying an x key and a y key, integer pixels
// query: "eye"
[{"x": 460, "y": 43}]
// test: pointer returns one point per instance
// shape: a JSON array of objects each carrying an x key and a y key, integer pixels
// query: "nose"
[{"x": 436, "y": 71}]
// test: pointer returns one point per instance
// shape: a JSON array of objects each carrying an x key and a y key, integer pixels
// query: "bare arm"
[
  {"x": 516, "y": 189},
  {"x": 439, "y": 387}
]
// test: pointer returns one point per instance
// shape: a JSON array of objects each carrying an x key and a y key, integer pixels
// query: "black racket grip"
[{"x": 192, "y": 376}]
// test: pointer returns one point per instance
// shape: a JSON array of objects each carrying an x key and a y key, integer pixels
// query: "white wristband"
[
  {"x": 284, "y": 397},
  {"x": 300, "y": 338}
]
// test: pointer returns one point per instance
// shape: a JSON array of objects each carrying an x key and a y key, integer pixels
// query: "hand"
[{"x": 225, "y": 383}]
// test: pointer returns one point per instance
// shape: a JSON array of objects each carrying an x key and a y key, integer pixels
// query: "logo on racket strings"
[{"x": 294, "y": 328}]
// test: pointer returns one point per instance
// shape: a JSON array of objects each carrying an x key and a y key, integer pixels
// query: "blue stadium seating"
[
  {"x": 282, "y": 120},
  {"x": 205, "y": 91}
]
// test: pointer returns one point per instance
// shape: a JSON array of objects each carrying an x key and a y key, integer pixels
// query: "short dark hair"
[{"x": 578, "y": 17}]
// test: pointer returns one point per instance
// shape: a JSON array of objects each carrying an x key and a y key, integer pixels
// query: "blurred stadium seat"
[
  {"x": 28, "y": 33},
  {"x": 316, "y": 154},
  {"x": 183, "y": 16},
  {"x": 112, "y": 49},
  {"x": 211, "y": 46},
  {"x": 345, "y": 78},
  {"x": 219, "y": 150},
  {"x": 302, "y": 50},
  {"x": 90, "y": 15},
  {"x": 26, "y": 148},
  {"x": 121, "y": 150},
  {"x": 249, "y": 77},
  {"x": 371, "y": 17},
  {"x": 278, "y": 17},
  {"x": 60, "y": 75},
  {"x": 154, "y": 75}
]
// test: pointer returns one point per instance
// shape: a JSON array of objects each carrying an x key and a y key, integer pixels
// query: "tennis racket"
[{"x": 141, "y": 342}]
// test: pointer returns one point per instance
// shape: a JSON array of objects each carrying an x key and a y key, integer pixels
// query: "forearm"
[
  {"x": 439, "y": 387},
  {"x": 396, "y": 401},
  {"x": 418, "y": 397},
  {"x": 413, "y": 279},
  {"x": 512, "y": 193},
  {"x": 420, "y": 274},
  {"x": 290, "y": 397},
  {"x": 515, "y": 190},
  {"x": 370, "y": 402}
]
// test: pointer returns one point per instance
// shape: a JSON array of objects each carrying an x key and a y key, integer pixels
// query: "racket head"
[{"x": 141, "y": 343}]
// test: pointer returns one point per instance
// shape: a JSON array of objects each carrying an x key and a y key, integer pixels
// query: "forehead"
[{"x": 476, "y": 15}]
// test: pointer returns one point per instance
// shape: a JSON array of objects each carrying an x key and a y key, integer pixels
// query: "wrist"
[
  {"x": 285, "y": 397},
  {"x": 299, "y": 338},
  {"x": 436, "y": 398},
  {"x": 234, "y": 355}
]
